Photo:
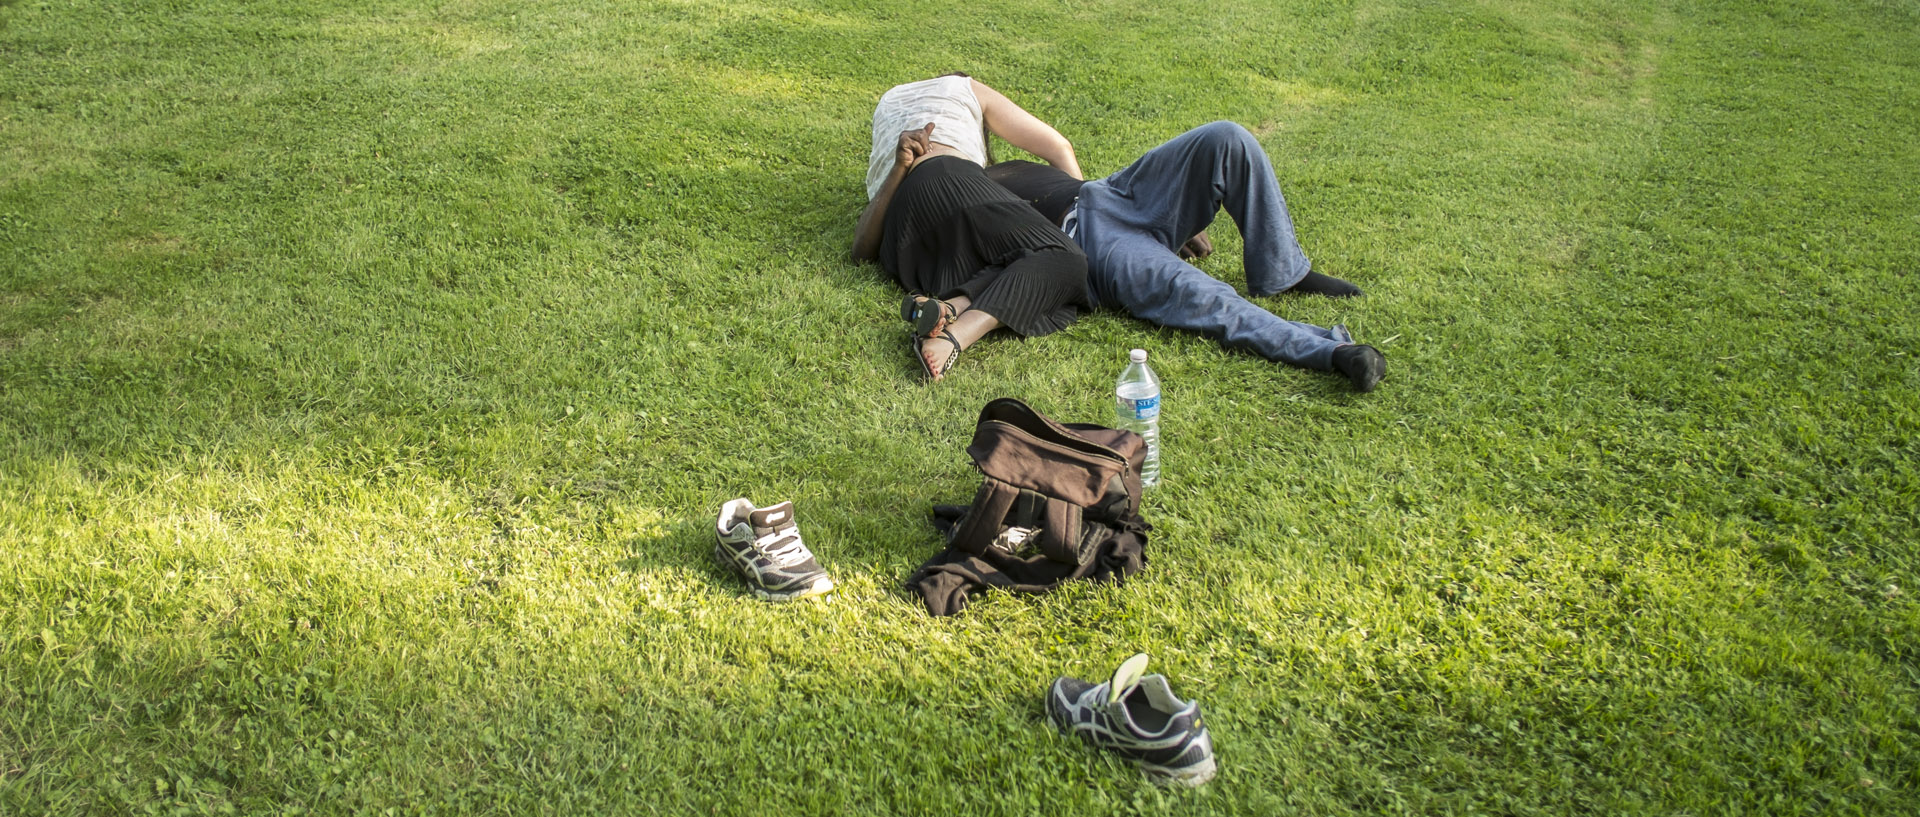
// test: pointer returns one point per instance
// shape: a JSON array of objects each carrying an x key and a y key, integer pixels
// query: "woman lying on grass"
[
  {"x": 972, "y": 256},
  {"x": 969, "y": 262}
]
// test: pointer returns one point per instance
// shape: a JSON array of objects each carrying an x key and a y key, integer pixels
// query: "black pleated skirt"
[{"x": 950, "y": 231}]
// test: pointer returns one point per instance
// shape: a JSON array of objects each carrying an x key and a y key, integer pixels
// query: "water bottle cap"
[{"x": 1137, "y": 355}]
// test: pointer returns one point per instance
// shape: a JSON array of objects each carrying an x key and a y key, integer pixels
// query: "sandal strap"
[
  {"x": 947, "y": 335},
  {"x": 911, "y": 305},
  {"x": 915, "y": 312},
  {"x": 952, "y": 355}
]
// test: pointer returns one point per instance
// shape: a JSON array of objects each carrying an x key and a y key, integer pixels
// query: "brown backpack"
[{"x": 1058, "y": 489}]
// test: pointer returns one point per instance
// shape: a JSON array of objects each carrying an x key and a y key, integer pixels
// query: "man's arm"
[
  {"x": 866, "y": 234},
  {"x": 1024, "y": 130},
  {"x": 873, "y": 220}
]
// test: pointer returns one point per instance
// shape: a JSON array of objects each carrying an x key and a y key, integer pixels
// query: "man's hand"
[
  {"x": 1199, "y": 246},
  {"x": 913, "y": 145}
]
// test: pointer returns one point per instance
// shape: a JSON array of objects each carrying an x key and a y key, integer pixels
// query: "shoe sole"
[
  {"x": 1196, "y": 775},
  {"x": 1190, "y": 776},
  {"x": 820, "y": 587}
]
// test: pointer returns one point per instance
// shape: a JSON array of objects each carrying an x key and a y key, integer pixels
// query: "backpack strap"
[
  {"x": 982, "y": 522},
  {"x": 1060, "y": 536},
  {"x": 998, "y": 505}
]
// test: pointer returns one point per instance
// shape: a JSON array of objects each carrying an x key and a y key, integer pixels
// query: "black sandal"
[
  {"x": 925, "y": 321},
  {"x": 946, "y": 365}
]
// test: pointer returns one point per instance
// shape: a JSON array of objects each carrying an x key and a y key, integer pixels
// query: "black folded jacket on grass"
[{"x": 945, "y": 581}]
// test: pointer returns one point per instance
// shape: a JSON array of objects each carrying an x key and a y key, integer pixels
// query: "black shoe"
[
  {"x": 1316, "y": 284},
  {"x": 1137, "y": 718},
  {"x": 1363, "y": 365}
]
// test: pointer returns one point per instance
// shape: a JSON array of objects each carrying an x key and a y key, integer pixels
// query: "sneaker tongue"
[
  {"x": 768, "y": 519},
  {"x": 1126, "y": 677}
]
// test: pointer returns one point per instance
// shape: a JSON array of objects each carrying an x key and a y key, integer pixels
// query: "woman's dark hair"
[{"x": 986, "y": 137}]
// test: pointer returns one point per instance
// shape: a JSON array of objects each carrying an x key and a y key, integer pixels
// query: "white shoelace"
[{"x": 785, "y": 548}]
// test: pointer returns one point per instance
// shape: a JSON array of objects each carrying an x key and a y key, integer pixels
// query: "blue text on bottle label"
[{"x": 1146, "y": 408}]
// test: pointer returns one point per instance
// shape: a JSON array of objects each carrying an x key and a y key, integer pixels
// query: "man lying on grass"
[{"x": 1132, "y": 227}]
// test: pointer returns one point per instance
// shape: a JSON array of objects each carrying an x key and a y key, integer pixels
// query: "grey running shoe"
[
  {"x": 1138, "y": 718},
  {"x": 763, "y": 546}
]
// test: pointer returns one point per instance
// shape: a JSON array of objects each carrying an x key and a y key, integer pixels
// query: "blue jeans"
[{"x": 1132, "y": 223}]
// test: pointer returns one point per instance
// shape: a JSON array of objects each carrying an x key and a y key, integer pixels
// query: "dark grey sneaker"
[
  {"x": 1137, "y": 717},
  {"x": 763, "y": 546}
]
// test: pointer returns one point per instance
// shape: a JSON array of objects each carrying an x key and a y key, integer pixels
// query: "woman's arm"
[
  {"x": 866, "y": 233},
  {"x": 873, "y": 220},
  {"x": 1024, "y": 130}
]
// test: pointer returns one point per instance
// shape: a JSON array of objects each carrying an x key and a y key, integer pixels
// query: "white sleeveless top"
[{"x": 947, "y": 102}]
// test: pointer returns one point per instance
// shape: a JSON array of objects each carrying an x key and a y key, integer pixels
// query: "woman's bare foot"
[{"x": 937, "y": 355}]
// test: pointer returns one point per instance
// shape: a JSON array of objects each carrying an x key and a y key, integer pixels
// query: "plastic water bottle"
[{"x": 1136, "y": 408}]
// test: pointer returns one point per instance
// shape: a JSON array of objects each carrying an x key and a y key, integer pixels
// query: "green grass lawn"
[{"x": 370, "y": 373}]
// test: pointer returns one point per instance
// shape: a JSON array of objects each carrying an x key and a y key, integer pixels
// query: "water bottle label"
[{"x": 1146, "y": 408}]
